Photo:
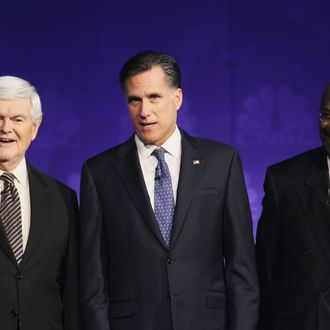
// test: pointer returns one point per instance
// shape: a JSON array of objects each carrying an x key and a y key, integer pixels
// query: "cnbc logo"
[{"x": 275, "y": 116}]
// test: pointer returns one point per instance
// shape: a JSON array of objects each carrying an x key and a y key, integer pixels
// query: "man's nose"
[
  {"x": 145, "y": 109},
  {"x": 6, "y": 125}
]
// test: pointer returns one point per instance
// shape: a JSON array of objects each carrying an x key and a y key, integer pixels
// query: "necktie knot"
[
  {"x": 160, "y": 169},
  {"x": 159, "y": 154},
  {"x": 8, "y": 178}
]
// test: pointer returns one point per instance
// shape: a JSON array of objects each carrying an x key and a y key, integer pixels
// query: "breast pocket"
[
  {"x": 122, "y": 309},
  {"x": 215, "y": 317},
  {"x": 123, "y": 315},
  {"x": 216, "y": 300}
]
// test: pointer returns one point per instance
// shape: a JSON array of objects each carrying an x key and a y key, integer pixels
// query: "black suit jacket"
[
  {"x": 41, "y": 294},
  {"x": 293, "y": 245},
  {"x": 131, "y": 281}
]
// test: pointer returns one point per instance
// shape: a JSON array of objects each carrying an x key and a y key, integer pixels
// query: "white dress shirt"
[
  {"x": 149, "y": 162},
  {"x": 22, "y": 185}
]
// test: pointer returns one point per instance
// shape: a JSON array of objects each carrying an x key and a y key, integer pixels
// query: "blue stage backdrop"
[{"x": 253, "y": 73}]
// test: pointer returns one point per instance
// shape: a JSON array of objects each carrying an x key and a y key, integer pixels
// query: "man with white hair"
[{"x": 38, "y": 264}]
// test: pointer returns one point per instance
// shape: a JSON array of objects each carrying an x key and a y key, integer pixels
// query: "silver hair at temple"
[{"x": 15, "y": 88}]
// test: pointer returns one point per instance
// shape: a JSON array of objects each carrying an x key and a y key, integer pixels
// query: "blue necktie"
[{"x": 164, "y": 201}]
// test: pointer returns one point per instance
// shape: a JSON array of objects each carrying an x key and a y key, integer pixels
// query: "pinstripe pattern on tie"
[{"x": 10, "y": 213}]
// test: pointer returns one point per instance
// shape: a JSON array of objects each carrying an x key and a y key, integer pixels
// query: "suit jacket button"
[
  {"x": 307, "y": 253},
  {"x": 19, "y": 276},
  {"x": 13, "y": 313},
  {"x": 170, "y": 260}
]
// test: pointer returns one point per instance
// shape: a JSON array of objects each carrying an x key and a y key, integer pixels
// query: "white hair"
[{"x": 15, "y": 88}]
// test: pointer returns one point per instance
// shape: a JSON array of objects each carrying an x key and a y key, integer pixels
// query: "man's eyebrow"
[
  {"x": 133, "y": 98},
  {"x": 154, "y": 94},
  {"x": 19, "y": 116}
]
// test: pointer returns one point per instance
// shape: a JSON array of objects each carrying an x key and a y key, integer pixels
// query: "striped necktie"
[{"x": 10, "y": 213}]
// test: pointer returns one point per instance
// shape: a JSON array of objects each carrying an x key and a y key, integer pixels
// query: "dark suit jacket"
[
  {"x": 293, "y": 245},
  {"x": 41, "y": 294},
  {"x": 131, "y": 281}
]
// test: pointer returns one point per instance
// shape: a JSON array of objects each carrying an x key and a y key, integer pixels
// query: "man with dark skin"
[{"x": 293, "y": 238}]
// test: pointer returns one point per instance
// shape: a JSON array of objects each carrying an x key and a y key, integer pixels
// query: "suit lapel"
[
  {"x": 4, "y": 243},
  {"x": 190, "y": 169},
  {"x": 128, "y": 167},
  {"x": 312, "y": 193},
  {"x": 39, "y": 200}
]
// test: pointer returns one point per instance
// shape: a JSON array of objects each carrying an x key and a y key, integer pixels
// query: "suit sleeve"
[
  {"x": 70, "y": 284},
  {"x": 268, "y": 252},
  {"x": 240, "y": 269},
  {"x": 93, "y": 279}
]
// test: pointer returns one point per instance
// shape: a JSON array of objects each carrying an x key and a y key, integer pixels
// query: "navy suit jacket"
[
  {"x": 206, "y": 280},
  {"x": 42, "y": 292},
  {"x": 293, "y": 245}
]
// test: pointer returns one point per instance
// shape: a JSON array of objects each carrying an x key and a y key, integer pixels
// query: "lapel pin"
[{"x": 196, "y": 162}]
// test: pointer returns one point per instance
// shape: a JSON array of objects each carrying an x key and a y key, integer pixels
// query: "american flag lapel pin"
[{"x": 196, "y": 162}]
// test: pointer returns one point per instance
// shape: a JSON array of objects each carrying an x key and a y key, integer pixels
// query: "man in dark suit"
[
  {"x": 38, "y": 254},
  {"x": 293, "y": 239},
  {"x": 166, "y": 235}
]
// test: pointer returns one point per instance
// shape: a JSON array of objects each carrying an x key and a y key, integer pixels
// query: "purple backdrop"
[{"x": 253, "y": 73}]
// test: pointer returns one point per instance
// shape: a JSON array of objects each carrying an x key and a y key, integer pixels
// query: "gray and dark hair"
[
  {"x": 15, "y": 88},
  {"x": 325, "y": 99},
  {"x": 145, "y": 61}
]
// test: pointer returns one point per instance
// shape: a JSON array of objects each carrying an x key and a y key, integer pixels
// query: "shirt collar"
[
  {"x": 20, "y": 172},
  {"x": 172, "y": 145}
]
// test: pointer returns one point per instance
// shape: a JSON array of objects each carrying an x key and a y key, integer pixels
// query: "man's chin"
[
  {"x": 8, "y": 163},
  {"x": 147, "y": 138},
  {"x": 326, "y": 146}
]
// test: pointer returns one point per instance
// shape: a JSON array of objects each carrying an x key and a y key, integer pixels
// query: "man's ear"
[
  {"x": 35, "y": 127},
  {"x": 178, "y": 98}
]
